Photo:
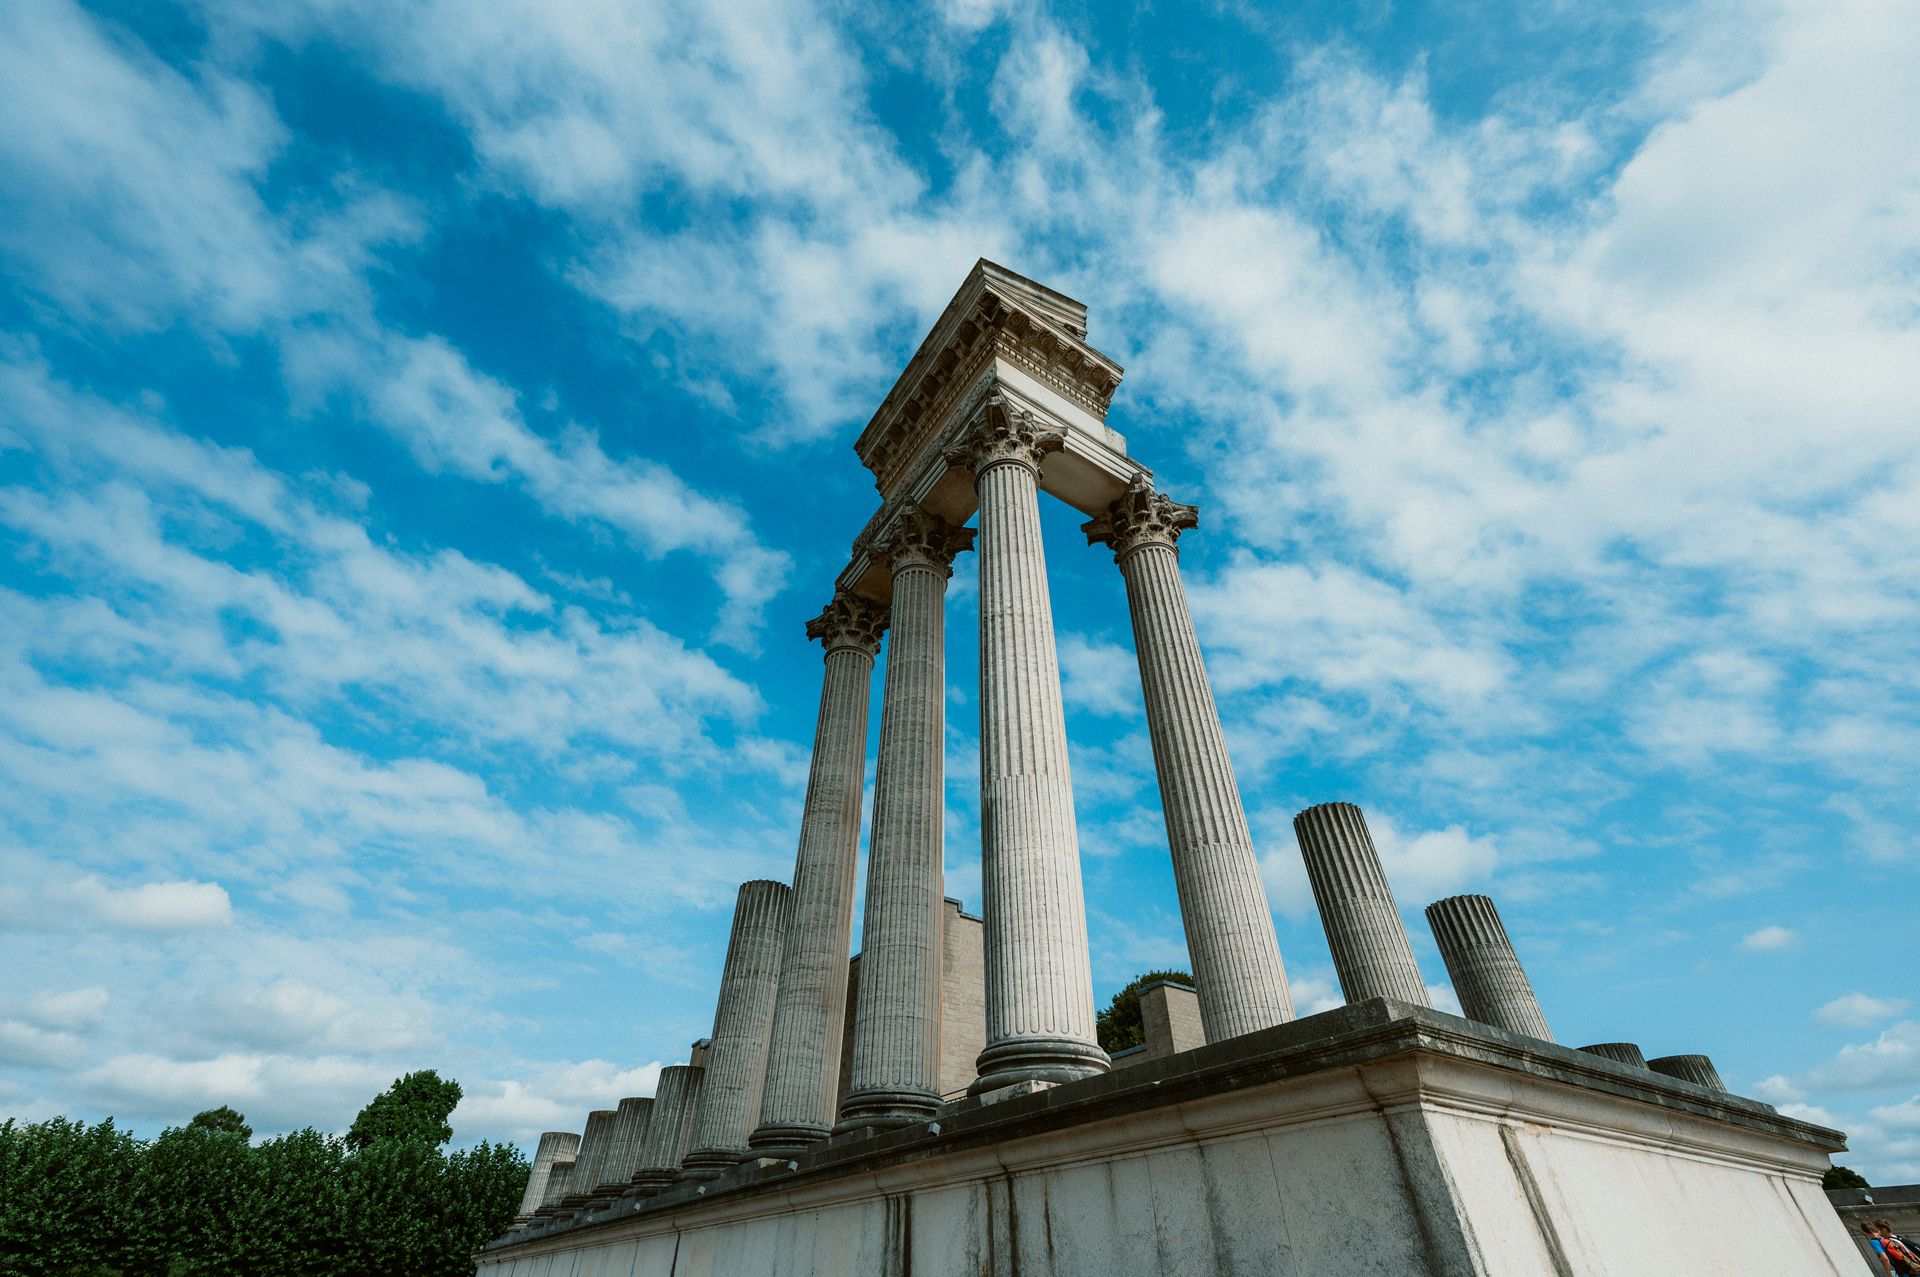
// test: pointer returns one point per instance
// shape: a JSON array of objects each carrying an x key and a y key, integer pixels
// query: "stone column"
[
  {"x": 554, "y": 1146},
  {"x": 1689, "y": 1068},
  {"x": 1618, "y": 1052},
  {"x": 1370, "y": 950},
  {"x": 1236, "y": 958},
  {"x": 559, "y": 1184},
  {"x": 895, "y": 1077},
  {"x": 623, "y": 1152},
  {"x": 593, "y": 1155},
  {"x": 669, "y": 1129},
  {"x": 742, "y": 1022},
  {"x": 803, "y": 1060},
  {"x": 1039, "y": 980},
  {"x": 1486, "y": 973}
]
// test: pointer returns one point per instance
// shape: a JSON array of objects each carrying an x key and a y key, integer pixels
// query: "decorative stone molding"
[
  {"x": 1004, "y": 434},
  {"x": 851, "y": 620},
  {"x": 1141, "y": 517},
  {"x": 921, "y": 538}
]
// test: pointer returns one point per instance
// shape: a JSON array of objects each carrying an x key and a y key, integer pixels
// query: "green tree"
[
  {"x": 1843, "y": 1177},
  {"x": 414, "y": 1109},
  {"x": 1118, "y": 1027},
  {"x": 64, "y": 1190},
  {"x": 224, "y": 1120}
]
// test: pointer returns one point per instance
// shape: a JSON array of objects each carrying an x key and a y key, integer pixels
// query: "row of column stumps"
[
  {"x": 592, "y": 1156},
  {"x": 729, "y": 1101},
  {"x": 894, "y": 1077},
  {"x": 803, "y": 1054},
  {"x": 554, "y": 1146},
  {"x": 670, "y": 1133},
  {"x": 623, "y": 1153}
]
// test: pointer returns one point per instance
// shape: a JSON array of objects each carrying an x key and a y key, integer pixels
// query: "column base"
[
  {"x": 651, "y": 1181},
  {"x": 712, "y": 1163},
  {"x": 1054, "y": 1060},
  {"x": 874, "y": 1110},
  {"x": 786, "y": 1139}
]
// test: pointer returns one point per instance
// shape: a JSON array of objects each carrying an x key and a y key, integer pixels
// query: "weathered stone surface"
[
  {"x": 1371, "y": 954},
  {"x": 1689, "y": 1068},
  {"x": 1486, "y": 973},
  {"x": 559, "y": 1182},
  {"x": 1039, "y": 981},
  {"x": 742, "y": 1025},
  {"x": 669, "y": 1129},
  {"x": 1291, "y": 1150},
  {"x": 896, "y": 1033},
  {"x": 623, "y": 1149},
  {"x": 1230, "y": 939},
  {"x": 554, "y": 1146},
  {"x": 1619, "y": 1052},
  {"x": 803, "y": 1059},
  {"x": 963, "y": 1002},
  {"x": 594, "y": 1142}
]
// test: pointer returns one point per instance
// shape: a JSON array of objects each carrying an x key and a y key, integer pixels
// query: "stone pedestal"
[
  {"x": 895, "y": 1077},
  {"x": 1486, "y": 973},
  {"x": 623, "y": 1149},
  {"x": 1689, "y": 1068},
  {"x": 1039, "y": 981},
  {"x": 554, "y": 1146},
  {"x": 1236, "y": 958},
  {"x": 1618, "y": 1052},
  {"x": 803, "y": 1060},
  {"x": 742, "y": 1025},
  {"x": 670, "y": 1128},
  {"x": 1370, "y": 950}
]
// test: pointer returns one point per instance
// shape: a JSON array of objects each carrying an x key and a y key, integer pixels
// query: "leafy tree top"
[
  {"x": 414, "y": 1110},
  {"x": 222, "y": 1121},
  {"x": 1843, "y": 1177},
  {"x": 1119, "y": 1027}
]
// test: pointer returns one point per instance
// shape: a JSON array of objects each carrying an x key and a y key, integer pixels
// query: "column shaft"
[
  {"x": 742, "y": 1022},
  {"x": 1618, "y": 1052},
  {"x": 896, "y": 1035},
  {"x": 1689, "y": 1068},
  {"x": 623, "y": 1151},
  {"x": 1486, "y": 973},
  {"x": 554, "y": 1146},
  {"x": 669, "y": 1129},
  {"x": 593, "y": 1154},
  {"x": 1371, "y": 954},
  {"x": 803, "y": 1059},
  {"x": 1039, "y": 981},
  {"x": 559, "y": 1184}
]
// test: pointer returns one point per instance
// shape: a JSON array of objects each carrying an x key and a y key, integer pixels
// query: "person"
[
  {"x": 1882, "y": 1266},
  {"x": 1898, "y": 1256}
]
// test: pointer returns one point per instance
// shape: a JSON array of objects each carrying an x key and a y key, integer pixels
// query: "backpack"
[{"x": 1905, "y": 1262}]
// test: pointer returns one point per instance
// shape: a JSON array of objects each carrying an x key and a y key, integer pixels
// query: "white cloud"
[
  {"x": 1858, "y": 1010},
  {"x": 1421, "y": 867},
  {"x": 550, "y": 1096},
  {"x": 88, "y": 902},
  {"x": 1778, "y": 1089},
  {"x": 1890, "y": 1060},
  {"x": 76, "y": 1009},
  {"x": 1099, "y": 677},
  {"x": 1770, "y": 939}
]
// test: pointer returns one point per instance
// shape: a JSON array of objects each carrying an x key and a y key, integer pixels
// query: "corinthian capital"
[
  {"x": 1140, "y": 517},
  {"x": 851, "y": 620},
  {"x": 1004, "y": 433},
  {"x": 921, "y": 538}
]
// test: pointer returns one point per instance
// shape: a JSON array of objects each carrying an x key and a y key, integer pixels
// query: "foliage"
[
  {"x": 1843, "y": 1177},
  {"x": 415, "y": 1109},
  {"x": 201, "y": 1201},
  {"x": 1119, "y": 1027}
]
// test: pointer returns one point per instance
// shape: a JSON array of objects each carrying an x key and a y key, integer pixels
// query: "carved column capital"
[
  {"x": 851, "y": 620},
  {"x": 1140, "y": 517},
  {"x": 1004, "y": 434},
  {"x": 920, "y": 537}
]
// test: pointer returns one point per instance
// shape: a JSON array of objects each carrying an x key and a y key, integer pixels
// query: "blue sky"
[{"x": 424, "y": 430}]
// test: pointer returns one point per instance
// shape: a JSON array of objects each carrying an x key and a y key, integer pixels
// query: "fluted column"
[
  {"x": 1486, "y": 973},
  {"x": 1689, "y": 1068},
  {"x": 623, "y": 1150},
  {"x": 742, "y": 1021},
  {"x": 1371, "y": 954},
  {"x": 803, "y": 1060},
  {"x": 1236, "y": 958},
  {"x": 669, "y": 1128},
  {"x": 593, "y": 1154},
  {"x": 896, "y": 1033},
  {"x": 1039, "y": 980},
  {"x": 559, "y": 1184},
  {"x": 1618, "y": 1052},
  {"x": 554, "y": 1146}
]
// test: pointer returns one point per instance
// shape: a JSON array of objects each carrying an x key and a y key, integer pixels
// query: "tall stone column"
[
  {"x": 1370, "y": 949},
  {"x": 1486, "y": 973},
  {"x": 554, "y": 1146},
  {"x": 669, "y": 1129},
  {"x": 1039, "y": 979},
  {"x": 1236, "y": 957},
  {"x": 896, "y": 1034},
  {"x": 1689, "y": 1068},
  {"x": 803, "y": 1061},
  {"x": 623, "y": 1151},
  {"x": 742, "y": 1022}
]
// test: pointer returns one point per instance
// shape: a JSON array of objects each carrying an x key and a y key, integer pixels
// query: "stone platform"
[{"x": 1378, "y": 1138}]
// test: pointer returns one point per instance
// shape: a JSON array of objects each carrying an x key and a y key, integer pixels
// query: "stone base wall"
[{"x": 1378, "y": 1138}]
